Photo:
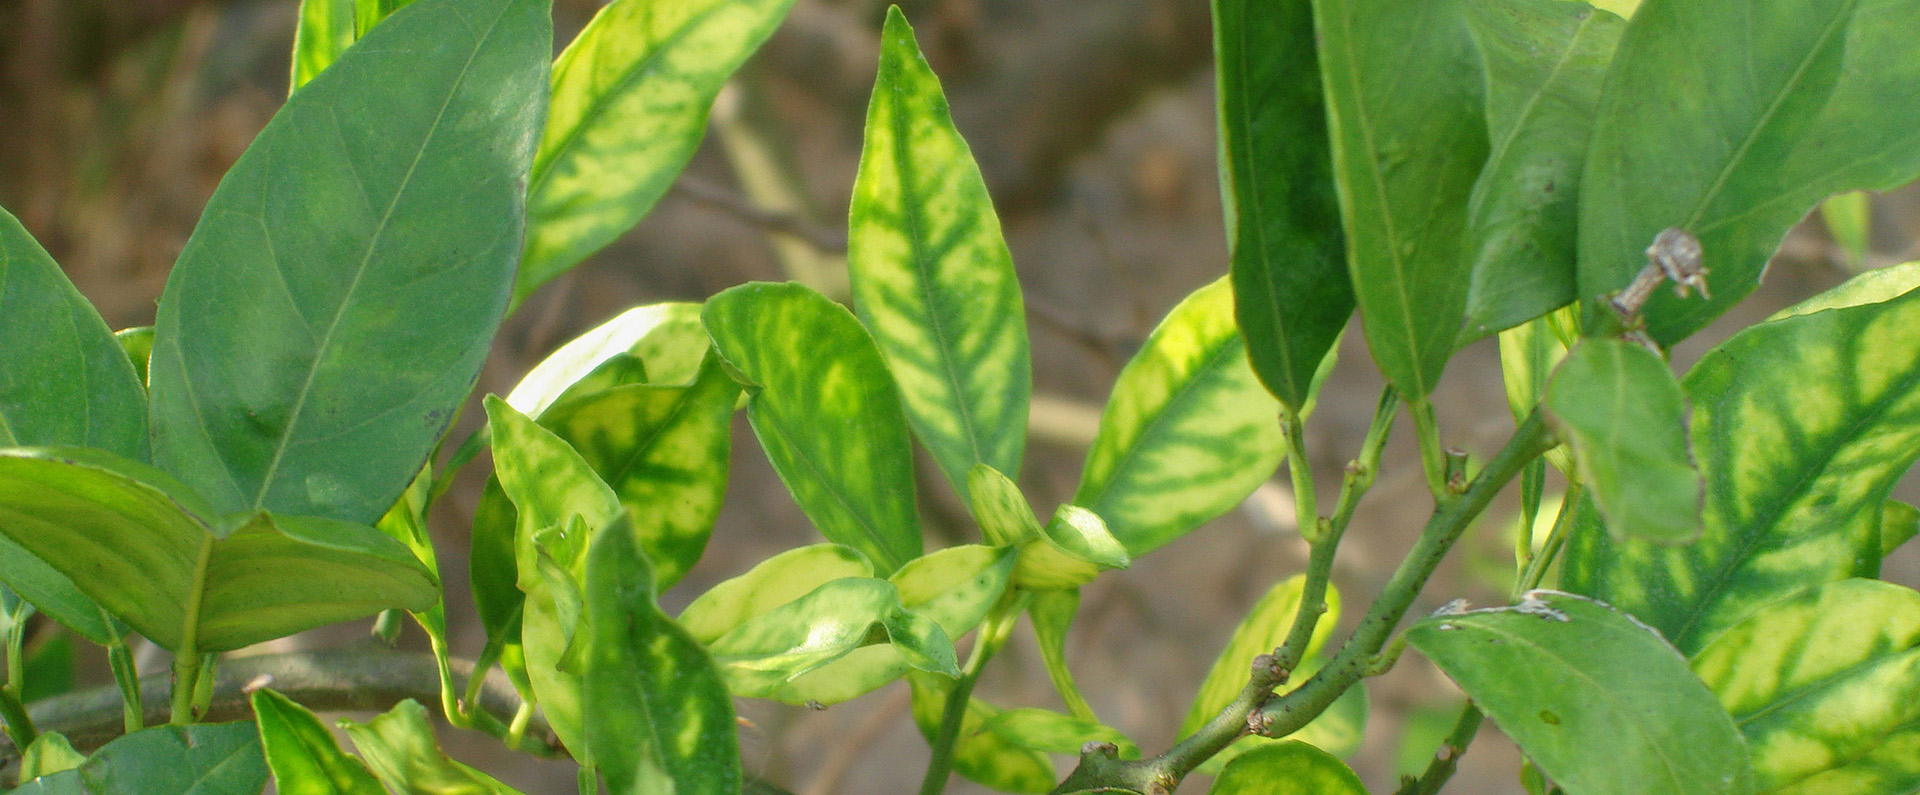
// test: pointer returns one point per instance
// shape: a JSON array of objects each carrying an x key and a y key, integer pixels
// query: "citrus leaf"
[
  {"x": 762, "y": 655},
  {"x": 336, "y": 302},
  {"x": 1403, "y": 109},
  {"x": 1188, "y": 433},
  {"x": 49, "y": 753},
  {"x": 1291, "y": 288},
  {"x": 644, "y": 331},
  {"x": 979, "y": 756},
  {"x": 770, "y": 584},
  {"x": 1801, "y": 426},
  {"x": 1287, "y": 768},
  {"x": 1069, "y": 552},
  {"x": 639, "y": 65},
  {"x": 1046, "y": 730},
  {"x": 1820, "y": 681},
  {"x": 1621, "y": 409},
  {"x": 199, "y": 759},
  {"x": 1264, "y": 628},
  {"x": 655, "y": 704},
  {"x": 1544, "y": 61},
  {"x": 1706, "y": 126},
  {"x": 1596, "y": 699},
  {"x": 303, "y": 756},
  {"x": 999, "y": 507},
  {"x": 931, "y": 274},
  {"x": 831, "y": 421},
  {"x": 400, "y": 747},
  {"x": 1052, "y": 615}
]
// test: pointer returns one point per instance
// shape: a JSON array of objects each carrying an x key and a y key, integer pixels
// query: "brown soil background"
[{"x": 1093, "y": 122}]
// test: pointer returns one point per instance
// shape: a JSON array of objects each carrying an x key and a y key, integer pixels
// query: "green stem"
[
  {"x": 127, "y": 676},
  {"x": 17, "y": 647},
  {"x": 1306, "y": 513},
  {"x": 186, "y": 677},
  {"x": 993, "y": 634},
  {"x": 1447, "y": 757},
  {"x": 19, "y": 726},
  {"x": 589, "y": 780},
  {"x": 1433, "y": 455},
  {"x": 1536, "y": 570}
]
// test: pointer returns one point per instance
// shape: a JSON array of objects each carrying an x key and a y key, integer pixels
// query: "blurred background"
[{"x": 1093, "y": 122}]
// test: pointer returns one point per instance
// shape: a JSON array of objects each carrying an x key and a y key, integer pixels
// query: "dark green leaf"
[
  {"x": 339, "y": 296},
  {"x": 200, "y": 759},
  {"x": 1291, "y": 288},
  {"x": 303, "y": 755},
  {"x": 931, "y": 274},
  {"x": 830, "y": 421},
  {"x": 980, "y": 756},
  {"x": 630, "y": 101},
  {"x": 1188, "y": 433},
  {"x": 1621, "y": 409},
  {"x": 52, "y": 593},
  {"x": 1544, "y": 61},
  {"x": 655, "y": 704},
  {"x": 1595, "y": 698},
  {"x": 1818, "y": 682},
  {"x": 1287, "y": 768},
  {"x": 400, "y": 748},
  {"x": 145, "y": 547},
  {"x": 1403, "y": 102},
  {"x": 1801, "y": 426},
  {"x": 1731, "y": 121}
]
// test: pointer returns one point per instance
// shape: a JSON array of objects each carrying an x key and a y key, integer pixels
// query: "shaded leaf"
[
  {"x": 1801, "y": 426},
  {"x": 1052, "y": 615},
  {"x": 1292, "y": 293},
  {"x": 655, "y": 704},
  {"x": 49, "y": 753},
  {"x": 1046, "y": 730},
  {"x": 931, "y": 274},
  {"x": 199, "y": 759},
  {"x": 1596, "y": 699},
  {"x": 762, "y": 655},
  {"x": 1287, "y": 768},
  {"x": 1621, "y": 409},
  {"x": 831, "y": 421},
  {"x": 50, "y": 592},
  {"x": 336, "y": 302},
  {"x": 400, "y": 747},
  {"x": 303, "y": 755},
  {"x": 1822, "y": 679},
  {"x": 1543, "y": 61},
  {"x": 638, "y": 65},
  {"x": 1403, "y": 108},
  {"x": 138, "y": 343},
  {"x": 1709, "y": 127},
  {"x": 1188, "y": 433},
  {"x": 980, "y": 756}
]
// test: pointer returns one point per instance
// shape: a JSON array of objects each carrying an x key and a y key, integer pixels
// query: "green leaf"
[
  {"x": 640, "y": 65},
  {"x": 1593, "y": 697},
  {"x": 400, "y": 747},
  {"x": 1188, "y": 433},
  {"x": 48, "y": 754},
  {"x": 1849, "y": 220},
  {"x": 1710, "y": 127},
  {"x": 999, "y": 507},
  {"x": 324, "y": 30},
  {"x": 1069, "y": 552},
  {"x": 762, "y": 656},
  {"x": 1899, "y": 522},
  {"x": 1046, "y": 730},
  {"x": 774, "y": 582},
  {"x": 406, "y": 522},
  {"x": 1403, "y": 107},
  {"x": 1264, "y": 628},
  {"x": 339, "y": 296},
  {"x": 65, "y": 782},
  {"x": 1291, "y": 288},
  {"x": 1820, "y": 680},
  {"x": 52, "y": 593},
  {"x": 200, "y": 759},
  {"x": 138, "y": 344},
  {"x": 1621, "y": 409},
  {"x": 931, "y": 274},
  {"x": 655, "y": 704},
  {"x": 145, "y": 547},
  {"x": 954, "y": 588},
  {"x": 830, "y": 421},
  {"x": 664, "y": 452},
  {"x": 1287, "y": 768},
  {"x": 1801, "y": 426},
  {"x": 980, "y": 756},
  {"x": 1052, "y": 615},
  {"x": 667, "y": 338},
  {"x": 66, "y": 380},
  {"x": 1543, "y": 61},
  {"x": 303, "y": 755},
  {"x": 1872, "y": 287}
]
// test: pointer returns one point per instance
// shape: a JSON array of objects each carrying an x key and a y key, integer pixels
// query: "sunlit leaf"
[
  {"x": 49, "y": 753},
  {"x": 1004, "y": 515},
  {"x": 1872, "y": 287},
  {"x": 1819, "y": 681},
  {"x": 1620, "y": 408},
  {"x": 770, "y": 584},
  {"x": 830, "y": 421},
  {"x": 764, "y": 654},
  {"x": 655, "y": 704},
  {"x": 400, "y": 747},
  {"x": 1069, "y": 552},
  {"x": 931, "y": 274},
  {"x": 1544, "y": 61},
  {"x": 1287, "y": 768},
  {"x": 1849, "y": 220},
  {"x": 1188, "y": 433},
  {"x": 1801, "y": 426},
  {"x": 138, "y": 344},
  {"x": 1403, "y": 109},
  {"x": 1709, "y": 126},
  {"x": 1292, "y": 293},
  {"x": 1596, "y": 699},
  {"x": 200, "y": 759},
  {"x": 640, "y": 65},
  {"x": 980, "y": 756},
  {"x": 324, "y": 30},
  {"x": 654, "y": 333},
  {"x": 303, "y": 755},
  {"x": 1899, "y": 522}
]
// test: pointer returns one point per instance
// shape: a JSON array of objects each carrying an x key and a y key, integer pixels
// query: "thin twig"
[{"x": 825, "y": 239}]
